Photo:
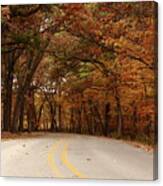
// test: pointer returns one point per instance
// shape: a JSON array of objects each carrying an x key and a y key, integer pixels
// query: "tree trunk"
[
  {"x": 39, "y": 115},
  {"x": 119, "y": 117},
  {"x": 91, "y": 124},
  {"x": 72, "y": 120},
  {"x": 134, "y": 119},
  {"x": 21, "y": 118},
  {"x": 79, "y": 120},
  {"x": 8, "y": 83},
  {"x": 33, "y": 63},
  {"x": 58, "y": 107},
  {"x": 53, "y": 121},
  {"x": 106, "y": 118}
]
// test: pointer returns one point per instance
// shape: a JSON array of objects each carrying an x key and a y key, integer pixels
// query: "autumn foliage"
[{"x": 86, "y": 68}]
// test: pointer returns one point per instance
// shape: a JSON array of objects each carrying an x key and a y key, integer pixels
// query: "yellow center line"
[
  {"x": 51, "y": 161},
  {"x": 70, "y": 166}
]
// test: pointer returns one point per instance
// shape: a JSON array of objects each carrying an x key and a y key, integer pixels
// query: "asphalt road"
[{"x": 74, "y": 156}]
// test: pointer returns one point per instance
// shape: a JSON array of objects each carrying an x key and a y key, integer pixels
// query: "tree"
[{"x": 79, "y": 68}]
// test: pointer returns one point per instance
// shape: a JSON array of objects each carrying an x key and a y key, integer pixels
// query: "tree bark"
[
  {"x": 106, "y": 118},
  {"x": 119, "y": 112},
  {"x": 119, "y": 116},
  {"x": 23, "y": 88},
  {"x": 21, "y": 118},
  {"x": 8, "y": 84}
]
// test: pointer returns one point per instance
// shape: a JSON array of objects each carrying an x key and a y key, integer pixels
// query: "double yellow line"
[
  {"x": 51, "y": 161},
  {"x": 65, "y": 161}
]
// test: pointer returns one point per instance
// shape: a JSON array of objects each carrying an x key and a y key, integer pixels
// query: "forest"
[{"x": 87, "y": 68}]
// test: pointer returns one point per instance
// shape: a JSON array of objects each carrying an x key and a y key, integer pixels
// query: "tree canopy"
[{"x": 85, "y": 68}]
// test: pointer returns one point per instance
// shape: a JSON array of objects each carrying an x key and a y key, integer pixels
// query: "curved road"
[{"x": 74, "y": 156}]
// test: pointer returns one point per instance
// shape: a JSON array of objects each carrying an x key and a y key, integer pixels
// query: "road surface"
[{"x": 74, "y": 156}]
